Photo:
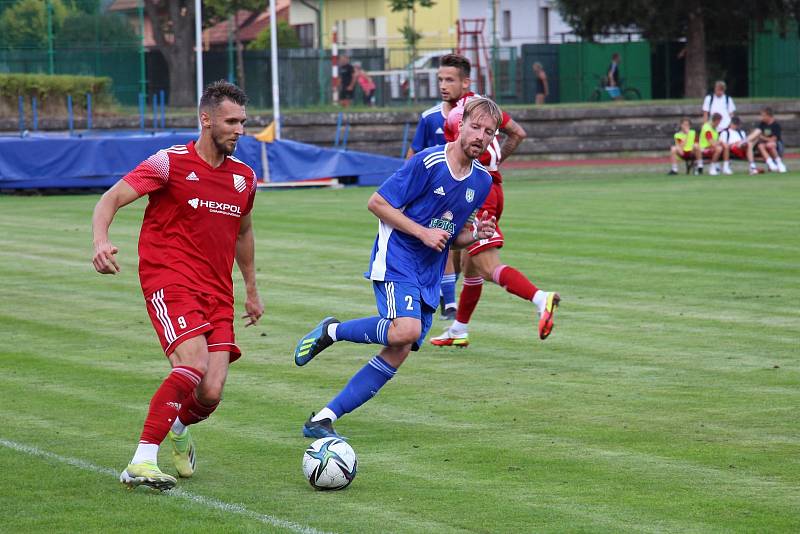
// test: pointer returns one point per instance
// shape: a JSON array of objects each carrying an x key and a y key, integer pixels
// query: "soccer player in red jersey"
[
  {"x": 483, "y": 259},
  {"x": 196, "y": 223}
]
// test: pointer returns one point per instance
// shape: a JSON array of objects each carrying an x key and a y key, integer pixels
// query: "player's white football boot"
[
  {"x": 449, "y": 339},
  {"x": 147, "y": 474},
  {"x": 781, "y": 166}
]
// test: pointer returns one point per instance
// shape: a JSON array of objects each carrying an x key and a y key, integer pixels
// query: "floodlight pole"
[
  {"x": 273, "y": 40},
  {"x": 198, "y": 50},
  {"x": 142, "y": 70},
  {"x": 50, "y": 52}
]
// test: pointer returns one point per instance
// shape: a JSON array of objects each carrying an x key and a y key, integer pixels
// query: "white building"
[{"x": 518, "y": 21}]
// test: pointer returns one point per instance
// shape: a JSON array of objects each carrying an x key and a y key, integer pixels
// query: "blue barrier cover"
[{"x": 52, "y": 161}]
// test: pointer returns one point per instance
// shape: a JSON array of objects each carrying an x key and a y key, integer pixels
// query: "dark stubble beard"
[{"x": 221, "y": 147}]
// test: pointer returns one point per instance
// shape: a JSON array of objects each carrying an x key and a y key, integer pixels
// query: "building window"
[
  {"x": 544, "y": 24},
  {"x": 506, "y": 25},
  {"x": 372, "y": 33},
  {"x": 305, "y": 34}
]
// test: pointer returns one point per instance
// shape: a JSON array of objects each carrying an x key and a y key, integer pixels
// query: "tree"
[
  {"x": 409, "y": 32},
  {"x": 173, "y": 31},
  {"x": 24, "y": 24},
  {"x": 216, "y": 11},
  {"x": 81, "y": 29},
  {"x": 697, "y": 22},
  {"x": 287, "y": 38}
]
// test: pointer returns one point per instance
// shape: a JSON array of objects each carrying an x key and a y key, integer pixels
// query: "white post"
[
  {"x": 198, "y": 50},
  {"x": 276, "y": 96}
]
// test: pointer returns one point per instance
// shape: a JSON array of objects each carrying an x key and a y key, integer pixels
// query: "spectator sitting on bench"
[
  {"x": 684, "y": 145},
  {"x": 709, "y": 146},
  {"x": 767, "y": 139},
  {"x": 734, "y": 142}
]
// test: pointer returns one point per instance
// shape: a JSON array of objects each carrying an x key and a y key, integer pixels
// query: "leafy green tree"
[
  {"x": 173, "y": 31},
  {"x": 82, "y": 29},
  {"x": 697, "y": 22},
  {"x": 216, "y": 11},
  {"x": 24, "y": 24},
  {"x": 287, "y": 38}
]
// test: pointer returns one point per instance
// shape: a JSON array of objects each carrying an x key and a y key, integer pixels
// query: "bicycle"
[{"x": 626, "y": 93}]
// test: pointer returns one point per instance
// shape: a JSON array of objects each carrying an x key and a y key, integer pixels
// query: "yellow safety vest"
[
  {"x": 704, "y": 143},
  {"x": 686, "y": 139}
]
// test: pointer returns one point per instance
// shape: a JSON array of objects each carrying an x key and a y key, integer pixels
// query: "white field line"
[{"x": 208, "y": 502}]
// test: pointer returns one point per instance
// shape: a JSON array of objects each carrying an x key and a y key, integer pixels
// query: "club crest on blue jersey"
[
  {"x": 470, "y": 194},
  {"x": 445, "y": 222}
]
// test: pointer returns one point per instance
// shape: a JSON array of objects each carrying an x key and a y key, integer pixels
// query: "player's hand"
[
  {"x": 104, "y": 261},
  {"x": 435, "y": 238},
  {"x": 254, "y": 307},
  {"x": 485, "y": 226}
]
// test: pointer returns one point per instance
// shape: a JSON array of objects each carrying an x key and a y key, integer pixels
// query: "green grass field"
[{"x": 666, "y": 399}]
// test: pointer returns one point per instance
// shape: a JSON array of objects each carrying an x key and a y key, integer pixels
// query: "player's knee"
[{"x": 404, "y": 333}]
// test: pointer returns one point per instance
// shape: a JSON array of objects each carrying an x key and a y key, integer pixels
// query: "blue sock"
[
  {"x": 449, "y": 289},
  {"x": 365, "y": 330},
  {"x": 364, "y": 385}
]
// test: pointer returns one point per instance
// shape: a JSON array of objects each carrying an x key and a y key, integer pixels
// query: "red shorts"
[
  {"x": 687, "y": 156},
  {"x": 494, "y": 205},
  {"x": 739, "y": 151},
  {"x": 179, "y": 313},
  {"x": 708, "y": 152}
]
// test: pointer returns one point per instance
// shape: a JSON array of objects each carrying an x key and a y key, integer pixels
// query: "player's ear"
[{"x": 205, "y": 118}]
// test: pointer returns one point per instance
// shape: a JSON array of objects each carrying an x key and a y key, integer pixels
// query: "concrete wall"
[{"x": 553, "y": 132}]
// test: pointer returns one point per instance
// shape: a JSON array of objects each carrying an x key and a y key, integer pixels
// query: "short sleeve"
[
  {"x": 252, "y": 196},
  {"x": 150, "y": 175},
  {"x": 505, "y": 120},
  {"x": 418, "y": 143},
  {"x": 406, "y": 184},
  {"x": 731, "y": 105},
  {"x": 707, "y": 103}
]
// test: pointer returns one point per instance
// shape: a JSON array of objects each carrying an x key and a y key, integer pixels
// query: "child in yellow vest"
[
  {"x": 684, "y": 147},
  {"x": 709, "y": 146}
]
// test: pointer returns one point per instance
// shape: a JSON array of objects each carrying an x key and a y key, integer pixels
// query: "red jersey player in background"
[
  {"x": 196, "y": 223},
  {"x": 483, "y": 259}
]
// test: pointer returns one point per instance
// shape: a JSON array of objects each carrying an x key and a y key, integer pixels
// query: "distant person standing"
[
  {"x": 347, "y": 81},
  {"x": 542, "y": 89},
  {"x": 367, "y": 85},
  {"x": 717, "y": 101},
  {"x": 613, "y": 77}
]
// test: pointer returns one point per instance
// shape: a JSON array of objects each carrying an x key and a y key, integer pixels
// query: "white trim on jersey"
[
  {"x": 478, "y": 164},
  {"x": 432, "y": 110},
  {"x": 183, "y": 334},
  {"x": 378, "y": 270}
]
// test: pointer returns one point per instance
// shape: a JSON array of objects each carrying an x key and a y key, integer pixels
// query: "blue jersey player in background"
[{"x": 423, "y": 210}]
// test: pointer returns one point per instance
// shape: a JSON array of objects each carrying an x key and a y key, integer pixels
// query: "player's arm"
[
  {"x": 514, "y": 135},
  {"x": 409, "y": 153},
  {"x": 543, "y": 77},
  {"x": 483, "y": 228},
  {"x": 245, "y": 259},
  {"x": 121, "y": 194},
  {"x": 435, "y": 238}
]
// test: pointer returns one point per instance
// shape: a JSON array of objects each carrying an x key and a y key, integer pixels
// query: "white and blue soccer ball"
[{"x": 330, "y": 464}]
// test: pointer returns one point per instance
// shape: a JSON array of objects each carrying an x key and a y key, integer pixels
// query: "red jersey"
[{"x": 192, "y": 220}]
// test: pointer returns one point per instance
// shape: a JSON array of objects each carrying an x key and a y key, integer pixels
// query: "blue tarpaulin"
[{"x": 49, "y": 161}]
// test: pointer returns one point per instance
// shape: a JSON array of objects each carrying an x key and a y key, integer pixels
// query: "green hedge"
[{"x": 53, "y": 89}]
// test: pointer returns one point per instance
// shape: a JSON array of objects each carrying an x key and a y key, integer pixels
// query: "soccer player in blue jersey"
[
  {"x": 424, "y": 209},
  {"x": 454, "y": 81}
]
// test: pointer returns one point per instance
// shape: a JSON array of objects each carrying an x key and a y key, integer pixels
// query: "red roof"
[{"x": 250, "y": 24}]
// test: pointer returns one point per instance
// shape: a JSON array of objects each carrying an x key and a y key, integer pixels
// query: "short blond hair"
[{"x": 483, "y": 105}]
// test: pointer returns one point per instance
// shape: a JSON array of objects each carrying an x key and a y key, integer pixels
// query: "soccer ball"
[{"x": 330, "y": 464}]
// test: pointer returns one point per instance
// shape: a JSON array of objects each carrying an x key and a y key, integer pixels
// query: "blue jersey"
[
  {"x": 428, "y": 194},
  {"x": 430, "y": 130}
]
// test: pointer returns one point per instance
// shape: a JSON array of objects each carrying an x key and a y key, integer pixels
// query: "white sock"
[
  {"x": 325, "y": 413},
  {"x": 752, "y": 164},
  {"x": 332, "y": 330},
  {"x": 675, "y": 168},
  {"x": 145, "y": 452},
  {"x": 459, "y": 328},
  {"x": 540, "y": 299},
  {"x": 699, "y": 163},
  {"x": 178, "y": 427},
  {"x": 770, "y": 161},
  {"x": 726, "y": 165},
  {"x": 778, "y": 160}
]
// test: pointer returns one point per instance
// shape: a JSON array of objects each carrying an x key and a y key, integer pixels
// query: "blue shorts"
[{"x": 399, "y": 299}]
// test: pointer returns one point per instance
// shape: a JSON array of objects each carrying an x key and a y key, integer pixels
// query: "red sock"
[
  {"x": 468, "y": 300},
  {"x": 193, "y": 411},
  {"x": 166, "y": 403},
  {"x": 514, "y": 282}
]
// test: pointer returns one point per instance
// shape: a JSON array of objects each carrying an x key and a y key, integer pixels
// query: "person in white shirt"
[
  {"x": 719, "y": 102},
  {"x": 734, "y": 141}
]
